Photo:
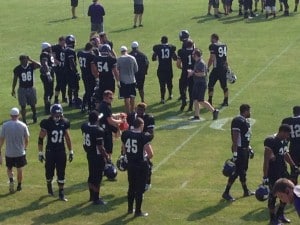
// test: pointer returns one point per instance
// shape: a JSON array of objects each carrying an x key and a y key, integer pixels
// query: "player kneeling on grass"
[
  {"x": 56, "y": 128},
  {"x": 93, "y": 144}
]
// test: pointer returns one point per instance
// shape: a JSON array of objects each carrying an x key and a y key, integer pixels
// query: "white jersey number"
[{"x": 131, "y": 146}]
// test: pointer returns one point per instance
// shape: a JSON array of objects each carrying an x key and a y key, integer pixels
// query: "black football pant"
[
  {"x": 61, "y": 82},
  {"x": 48, "y": 91},
  {"x": 165, "y": 79},
  {"x": 96, "y": 166},
  {"x": 186, "y": 84},
  {"x": 241, "y": 165},
  {"x": 248, "y": 5},
  {"x": 55, "y": 160},
  {"x": 89, "y": 86},
  {"x": 137, "y": 177}
]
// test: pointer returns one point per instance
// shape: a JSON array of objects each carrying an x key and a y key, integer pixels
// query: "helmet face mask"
[
  {"x": 122, "y": 163},
  {"x": 231, "y": 77},
  {"x": 56, "y": 111},
  {"x": 110, "y": 171}
]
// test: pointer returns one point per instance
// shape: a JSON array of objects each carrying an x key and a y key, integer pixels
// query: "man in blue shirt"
[{"x": 96, "y": 12}]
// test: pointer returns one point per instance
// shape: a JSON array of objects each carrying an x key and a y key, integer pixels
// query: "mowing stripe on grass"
[{"x": 163, "y": 161}]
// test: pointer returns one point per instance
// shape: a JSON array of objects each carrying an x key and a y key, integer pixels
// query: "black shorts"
[
  {"x": 138, "y": 9},
  {"x": 199, "y": 89},
  {"x": 165, "y": 77},
  {"x": 218, "y": 74},
  {"x": 74, "y": 3},
  {"x": 140, "y": 80},
  {"x": 214, "y": 3},
  {"x": 127, "y": 90},
  {"x": 17, "y": 162}
]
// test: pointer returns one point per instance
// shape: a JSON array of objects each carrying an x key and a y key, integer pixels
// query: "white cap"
[
  {"x": 45, "y": 45},
  {"x": 14, "y": 111},
  {"x": 123, "y": 48},
  {"x": 134, "y": 44}
]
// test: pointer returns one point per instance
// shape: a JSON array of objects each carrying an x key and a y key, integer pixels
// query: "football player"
[
  {"x": 217, "y": 59},
  {"x": 85, "y": 58},
  {"x": 248, "y": 13},
  {"x": 104, "y": 69},
  {"x": 71, "y": 72},
  {"x": 58, "y": 51},
  {"x": 270, "y": 8},
  {"x": 186, "y": 61},
  {"x": 285, "y": 5},
  {"x": 136, "y": 145},
  {"x": 26, "y": 91},
  {"x": 165, "y": 53},
  {"x": 294, "y": 123},
  {"x": 93, "y": 144},
  {"x": 104, "y": 40},
  {"x": 143, "y": 64},
  {"x": 56, "y": 128},
  {"x": 149, "y": 125},
  {"x": 240, "y": 136},
  {"x": 47, "y": 74},
  {"x": 274, "y": 167},
  {"x": 184, "y": 36}
]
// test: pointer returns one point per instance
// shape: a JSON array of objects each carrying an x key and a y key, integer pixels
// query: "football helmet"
[
  {"x": 122, "y": 163},
  {"x": 184, "y": 35},
  {"x": 228, "y": 168},
  {"x": 110, "y": 171},
  {"x": 262, "y": 193},
  {"x": 231, "y": 77},
  {"x": 56, "y": 109},
  {"x": 105, "y": 49},
  {"x": 70, "y": 40}
]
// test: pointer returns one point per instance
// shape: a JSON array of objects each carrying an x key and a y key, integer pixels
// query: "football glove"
[
  {"x": 41, "y": 157},
  {"x": 71, "y": 156},
  {"x": 265, "y": 181},
  {"x": 295, "y": 169},
  {"x": 234, "y": 157},
  {"x": 251, "y": 152}
]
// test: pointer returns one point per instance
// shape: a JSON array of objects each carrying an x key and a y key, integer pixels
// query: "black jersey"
[
  {"x": 84, "y": 59},
  {"x": 186, "y": 57},
  {"x": 105, "y": 109},
  {"x": 25, "y": 75},
  {"x": 55, "y": 133},
  {"x": 105, "y": 66},
  {"x": 294, "y": 123},
  {"x": 141, "y": 60},
  {"x": 93, "y": 136},
  {"x": 165, "y": 54},
  {"x": 277, "y": 167},
  {"x": 48, "y": 58},
  {"x": 59, "y": 54},
  {"x": 134, "y": 143},
  {"x": 149, "y": 122},
  {"x": 220, "y": 51},
  {"x": 242, "y": 125},
  {"x": 70, "y": 60}
]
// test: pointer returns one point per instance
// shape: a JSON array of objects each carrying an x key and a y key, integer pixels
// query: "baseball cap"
[
  {"x": 14, "y": 111},
  {"x": 45, "y": 45},
  {"x": 134, "y": 44},
  {"x": 123, "y": 48}
]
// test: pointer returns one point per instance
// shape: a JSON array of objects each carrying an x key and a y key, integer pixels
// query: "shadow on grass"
[
  {"x": 60, "y": 20},
  {"x": 208, "y": 211},
  {"x": 257, "y": 215}
]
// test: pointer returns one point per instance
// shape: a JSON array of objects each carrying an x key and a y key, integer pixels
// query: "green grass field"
[{"x": 187, "y": 179}]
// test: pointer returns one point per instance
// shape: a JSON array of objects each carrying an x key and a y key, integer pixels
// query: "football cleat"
[
  {"x": 284, "y": 219},
  {"x": 141, "y": 214},
  {"x": 110, "y": 171},
  {"x": 231, "y": 77},
  {"x": 262, "y": 193},
  {"x": 122, "y": 163},
  {"x": 227, "y": 197},
  {"x": 11, "y": 187},
  {"x": 228, "y": 168}
]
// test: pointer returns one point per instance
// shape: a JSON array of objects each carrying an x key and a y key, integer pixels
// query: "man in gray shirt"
[
  {"x": 16, "y": 135},
  {"x": 127, "y": 67}
]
